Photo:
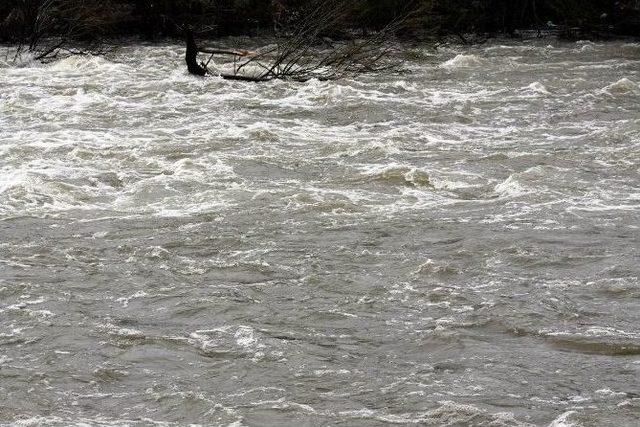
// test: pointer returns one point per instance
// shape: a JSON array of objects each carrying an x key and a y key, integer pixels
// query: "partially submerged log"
[{"x": 244, "y": 78}]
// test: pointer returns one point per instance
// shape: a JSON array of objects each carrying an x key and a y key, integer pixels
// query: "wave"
[
  {"x": 511, "y": 187},
  {"x": 595, "y": 340},
  {"x": 327, "y": 201},
  {"x": 462, "y": 61},
  {"x": 631, "y": 48},
  {"x": 60, "y": 421},
  {"x": 86, "y": 64},
  {"x": 564, "y": 420},
  {"x": 537, "y": 88},
  {"x": 22, "y": 307},
  {"x": 623, "y": 86},
  {"x": 449, "y": 413},
  {"x": 537, "y": 179},
  {"x": 24, "y": 193},
  {"x": 399, "y": 175}
]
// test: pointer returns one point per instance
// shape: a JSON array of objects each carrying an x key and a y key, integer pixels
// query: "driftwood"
[{"x": 243, "y": 78}]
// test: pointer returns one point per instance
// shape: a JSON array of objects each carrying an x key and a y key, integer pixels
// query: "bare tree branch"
[{"x": 302, "y": 52}]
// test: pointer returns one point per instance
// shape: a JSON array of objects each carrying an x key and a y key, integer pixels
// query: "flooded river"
[{"x": 455, "y": 244}]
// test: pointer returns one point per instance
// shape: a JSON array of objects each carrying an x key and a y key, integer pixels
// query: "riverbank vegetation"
[{"x": 46, "y": 27}]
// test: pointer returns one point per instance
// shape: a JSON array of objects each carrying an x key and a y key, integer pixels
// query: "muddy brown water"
[{"x": 457, "y": 244}]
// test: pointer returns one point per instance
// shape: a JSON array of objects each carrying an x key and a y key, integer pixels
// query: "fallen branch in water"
[{"x": 303, "y": 52}]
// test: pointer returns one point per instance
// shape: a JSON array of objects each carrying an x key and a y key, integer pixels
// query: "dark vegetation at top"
[
  {"x": 87, "y": 20},
  {"x": 48, "y": 27}
]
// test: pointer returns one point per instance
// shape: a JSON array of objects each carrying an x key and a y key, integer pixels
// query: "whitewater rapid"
[{"x": 452, "y": 244}]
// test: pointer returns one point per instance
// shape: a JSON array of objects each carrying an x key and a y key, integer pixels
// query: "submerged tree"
[{"x": 304, "y": 50}]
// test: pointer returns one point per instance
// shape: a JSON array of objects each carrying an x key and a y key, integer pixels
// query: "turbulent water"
[{"x": 455, "y": 244}]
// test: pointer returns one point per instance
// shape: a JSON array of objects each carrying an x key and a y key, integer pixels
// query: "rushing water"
[{"x": 457, "y": 244}]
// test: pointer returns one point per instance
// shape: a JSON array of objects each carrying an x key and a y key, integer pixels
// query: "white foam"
[
  {"x": 225, "y": 338},
  {"x": 607, "y": 392},
  {"x": 122, "y": 332},
  {"x": 623, "y": 86},
  {"x": 461, "y": 62},
  {"x": 593, "y": 332},
  {"x": 245, "y": 336},
  {"x": 511, "y": 188},
  {"x": 36, "y": 421},
  {"x": 125, "y": 300},
  {"x": 564, "y": 420},
  {"x": 448, "y": 413},
  {"x": 323, "y": 372},
  {"x": 539, "y": 88}
]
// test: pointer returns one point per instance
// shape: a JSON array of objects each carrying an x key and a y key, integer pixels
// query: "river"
[{"x": 456, "y": 243}]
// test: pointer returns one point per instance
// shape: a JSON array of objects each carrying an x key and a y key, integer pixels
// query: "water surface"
[{"x": 456, "y": 244}]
